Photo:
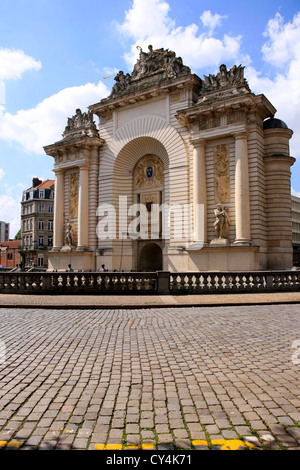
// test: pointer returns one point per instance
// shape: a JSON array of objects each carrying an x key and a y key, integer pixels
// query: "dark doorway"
[{"x": 150, "y": 258}]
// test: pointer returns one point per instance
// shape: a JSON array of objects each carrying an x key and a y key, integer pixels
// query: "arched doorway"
[{"x": 150, "y": 258}]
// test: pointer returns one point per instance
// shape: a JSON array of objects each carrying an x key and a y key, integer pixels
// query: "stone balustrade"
[{"x": 160, "y": 282}]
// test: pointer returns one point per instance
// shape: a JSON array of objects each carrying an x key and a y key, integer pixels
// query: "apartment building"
[
  {"x": 4, "y": 231},
  {"x": 296, "y": 230},
  {"x": 37, "y": 223}
]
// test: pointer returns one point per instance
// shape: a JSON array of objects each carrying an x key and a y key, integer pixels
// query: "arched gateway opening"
[
  {"x": 150, "y": 258},
  {"x": 141, "y": 179}
]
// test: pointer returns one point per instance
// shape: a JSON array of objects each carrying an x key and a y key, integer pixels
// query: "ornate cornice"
[
  {"x": 149, "y": 91},
  {"x": 236, "y": 108}
]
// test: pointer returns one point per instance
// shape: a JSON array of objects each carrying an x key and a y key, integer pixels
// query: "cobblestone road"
[{"x": 162, "y": 378}]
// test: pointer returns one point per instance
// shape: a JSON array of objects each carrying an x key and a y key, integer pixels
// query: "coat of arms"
[{"x": 149, "y": 171}]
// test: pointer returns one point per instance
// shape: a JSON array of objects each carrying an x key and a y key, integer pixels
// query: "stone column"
[
  {"x": 83, "y": 207},
  {"x": 58, "y": 225},
  {"x": 93, "y": 196},
  {"x": 200, "y": 198},
  {"x": 242, "y": 196}
]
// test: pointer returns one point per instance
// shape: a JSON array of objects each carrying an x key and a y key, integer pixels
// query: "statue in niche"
[
  {"x": 69, "y": 231},
  {"x": 222, "y": 221}
]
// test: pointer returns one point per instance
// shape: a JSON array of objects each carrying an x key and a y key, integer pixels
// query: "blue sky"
[{"x": 54, "y": 55}]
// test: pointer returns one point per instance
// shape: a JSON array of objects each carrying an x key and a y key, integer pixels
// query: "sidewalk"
[{"x": 145, "y": 301}]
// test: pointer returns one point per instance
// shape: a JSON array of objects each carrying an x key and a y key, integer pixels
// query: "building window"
[
  {"x": 41, "y": 208},
  {"x": 41, "y": 225},
  {"x": 41, "y": 241},
  {"x": 42, "y": 194},
  {"x": 50, "y": 224},
  {"x": 50, "y": 241},
  {"x": 40, "y": 261},
  {"x": 50, "y": 209}
]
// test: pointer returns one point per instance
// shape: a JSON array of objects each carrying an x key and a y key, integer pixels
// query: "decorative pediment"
[{"x": 151, "y": 68}]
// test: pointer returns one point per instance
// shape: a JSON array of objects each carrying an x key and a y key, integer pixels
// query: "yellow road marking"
[
  {"x": 113, "y": 446},
  {"x": 16, "y": 444},
  {"x": 223, "y": 444},
  {"x": 147, "y": 445},
  {"x": 199, "y": 443},
  {"x": 232, "y": 444}
]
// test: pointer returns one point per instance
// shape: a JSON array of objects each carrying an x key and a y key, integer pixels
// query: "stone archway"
[{"x": 150, "y": 257}]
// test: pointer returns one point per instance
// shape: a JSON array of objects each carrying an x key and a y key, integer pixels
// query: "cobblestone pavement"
[{"x": 160, "y": 378}]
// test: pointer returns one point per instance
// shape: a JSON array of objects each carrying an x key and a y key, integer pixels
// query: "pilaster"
[
  {"x": 58, "y": 233},
  {"x": 242, "y": 196},
  {"x": 200, "y": 196}
]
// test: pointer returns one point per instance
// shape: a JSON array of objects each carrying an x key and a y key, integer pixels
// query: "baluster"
[
  {"x": 175, "y": 282},
  {"x": 55, "y": 280},
  {"x": 182, "y": 281},
  {"x": 234, "y": 281},
  {"x": 205, "y": 282},
  {"x": 190, "y": 282},
  {"x": 92, "y": 282},
  {"x": 197, "y": 282},
  {"x": 227, "y": 282},
  {"x": 214, "y": 282}
]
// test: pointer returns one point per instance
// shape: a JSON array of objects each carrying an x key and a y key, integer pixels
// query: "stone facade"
[
  {"x": 207, "y": 149},
  {"x": 296, "y": 229},
  {"x": 37, "y": 223},
  {"x": 10, "y": 253},
  {"x": 4, "y": 231}
]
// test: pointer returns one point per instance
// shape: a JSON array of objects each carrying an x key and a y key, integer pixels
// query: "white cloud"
[
  {"x": 10, "y": 205},
  {"x": 34, "y": 128},
  {"x": 282, "y": 51},
  {"x": 148, "y": 22},
  {"x": 145, "y": 17},
  {"x": 2, "y": 173},
  {"x": 10, "y": 211},
  {"x": 283, "y": 40},
  {"x": 295, "y": 193},
  {"x": 15, "y": 62},
  {"x": 211, "y": 21}
]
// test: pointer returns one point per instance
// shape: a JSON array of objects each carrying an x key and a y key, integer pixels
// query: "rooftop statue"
[
  {"x": 225, "y": 79},
  {"x": 81, "y": 123},
  {"x": 162, "y": 62}
]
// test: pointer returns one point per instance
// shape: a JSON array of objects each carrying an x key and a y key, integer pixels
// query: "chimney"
[{"x": 36, "y": 182}]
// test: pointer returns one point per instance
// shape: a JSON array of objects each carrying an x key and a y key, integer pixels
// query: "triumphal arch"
[{"x": 180, "y": 173}]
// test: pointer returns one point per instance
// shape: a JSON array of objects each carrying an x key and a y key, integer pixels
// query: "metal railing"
[{"x": 159, "y": 282}]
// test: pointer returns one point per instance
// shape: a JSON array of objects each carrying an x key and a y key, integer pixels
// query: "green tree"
[{"x": 18, "y": 235}]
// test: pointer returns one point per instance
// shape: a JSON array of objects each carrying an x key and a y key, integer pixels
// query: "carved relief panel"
[
  {"x": 221, "y": 172},
  {"x": 73, "y": 195},
  {"x": 148, "y": 173}
]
